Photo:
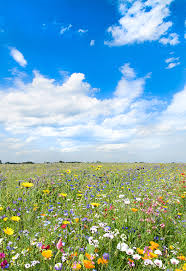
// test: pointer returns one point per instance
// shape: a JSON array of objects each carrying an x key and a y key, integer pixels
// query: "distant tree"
[{"x": 0, "y": 162}]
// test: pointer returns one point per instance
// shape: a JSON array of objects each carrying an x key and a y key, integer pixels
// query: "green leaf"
[
  {"x": 90, "y": 249},
  {"x": 81, "y": 257}
]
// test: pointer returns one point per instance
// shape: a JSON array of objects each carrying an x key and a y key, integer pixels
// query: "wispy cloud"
[
  {"x": 92, "y": 42},
  {"x": 65, "y": 29},
  {"x": 172, "y": 65},
  {"x": 173, "y": 62},
  {"x": 18, "y": 57},
  {"x": 142, "y": 21},
  {"x": 82, "y": 31}
]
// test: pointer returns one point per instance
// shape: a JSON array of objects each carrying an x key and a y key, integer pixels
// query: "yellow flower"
[
  {"x": 76, "y": 266},
  {"x": 28, "y": 185},
  {"x": 47, "y": 254},
  {"x": 62, "y": 195},
  {"x": 184, "y": 266},
  {"x": 5, "y": 218},
  {"x": 76, "y": 219},
  {"x": 46, "y": 191},
  {"x": 171, "y": 247},
  {"x": 66, "y": 222},
  {"x": 94, "y": 204},
  {"x": 79, "y": 195},
  {"x": 68, "y": 171},
  {"x": 1, "y": 208},
  {"x": 15, "y": 218},
  {"x": 179, "y": 213},
  {"x": 8, "y": 231}
]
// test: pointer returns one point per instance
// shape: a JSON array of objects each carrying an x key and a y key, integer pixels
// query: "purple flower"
[
  {"x": 106, "y": 256},
  {"x": 58, "y": 266}
]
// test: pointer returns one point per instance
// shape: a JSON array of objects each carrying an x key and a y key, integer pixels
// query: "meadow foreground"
[{"x": 89, "y": 216}]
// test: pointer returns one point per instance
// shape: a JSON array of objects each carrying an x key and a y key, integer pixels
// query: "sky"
[{"x": 97, "y": 80}]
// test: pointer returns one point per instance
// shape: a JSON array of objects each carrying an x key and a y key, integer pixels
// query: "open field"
[{"x": 89, "y": 216}]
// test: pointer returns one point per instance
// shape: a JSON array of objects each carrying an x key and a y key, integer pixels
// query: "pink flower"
[
  {"x": 2, "y": 255},
  {"x": 60, "y": 245},
  {"x": 162, "y": 225}
]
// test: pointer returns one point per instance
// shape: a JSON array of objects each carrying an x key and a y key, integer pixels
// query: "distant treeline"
[{"x": 30, "y": 162}]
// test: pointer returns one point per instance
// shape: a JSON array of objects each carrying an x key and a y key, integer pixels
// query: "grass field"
[{"x": 89, "y": 216}]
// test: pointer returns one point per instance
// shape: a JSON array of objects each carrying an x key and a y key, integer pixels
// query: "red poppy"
[
  {"x": 45, "y": 247},
  {"x": 64, "y": 226}
]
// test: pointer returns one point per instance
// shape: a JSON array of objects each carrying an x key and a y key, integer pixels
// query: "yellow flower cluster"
[
  {"x": 8, "y": 231},
  {"x": 27, "y": 185}
]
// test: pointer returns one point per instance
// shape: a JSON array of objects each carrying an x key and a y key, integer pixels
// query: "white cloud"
[
  {"x": 142, "y": 21},
  {"x": 82, "y": 31},
  {"x": 172, "y": 59},
  {"x": 127, "y": 71},
  {"x": 129, "y": 87},
  {"x": 67, "y": 119},
  {"x": 92, "y": 42},
  {"x": 172, "y": 39},
  {"x": 65, "y": 29},
  {"x": 173, "y": 62},
  {"x": 172, "y": 65},
  {"x": 18, "y": 57}
]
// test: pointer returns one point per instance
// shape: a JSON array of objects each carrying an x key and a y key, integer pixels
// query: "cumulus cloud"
[
  {"x": 18, "y": 57},
  {"x": 142, "y": 21},
  {"x": 172, "y": 39},
  {"x": 67, "y": 118}
]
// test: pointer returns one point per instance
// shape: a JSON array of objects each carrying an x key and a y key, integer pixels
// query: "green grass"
[{"x": 136, "y": 207}]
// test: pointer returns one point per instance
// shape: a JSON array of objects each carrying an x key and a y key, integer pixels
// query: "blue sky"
[{"x": 92, "y": 80}]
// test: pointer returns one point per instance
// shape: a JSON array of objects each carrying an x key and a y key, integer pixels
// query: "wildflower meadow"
[{"x": 80, "y": 216}]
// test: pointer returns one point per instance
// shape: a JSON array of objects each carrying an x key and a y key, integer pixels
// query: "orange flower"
[
  {"x": 102, "y": 261},
  {"x": 153, "y": 245},
  {"x": 47, "y": 253},
  {"x": 88, "y": 264},
  {"x": 90, "y": 257},
  {"x": 153, "y": 255},
  {"x": 73, "y": 255},
  {"x": 140, "y": 251},
  {"x": 183, "y": 258},
  {"x": 134, "y": 210}
]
